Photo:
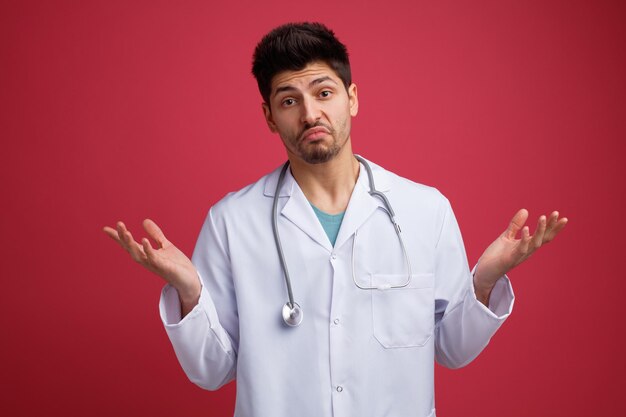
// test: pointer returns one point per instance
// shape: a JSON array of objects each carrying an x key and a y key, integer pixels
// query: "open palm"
[
  {"x": 507, "y": 251},
  {"x": 166, "y": 260}
]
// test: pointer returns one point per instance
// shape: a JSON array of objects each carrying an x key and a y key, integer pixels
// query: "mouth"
[{"x": 313, "y": 134}]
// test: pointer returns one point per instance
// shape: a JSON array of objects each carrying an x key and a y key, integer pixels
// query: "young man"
[{"x": 370, "y": 308}]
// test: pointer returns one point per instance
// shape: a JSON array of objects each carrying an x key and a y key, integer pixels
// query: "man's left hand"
[{"x": 506, "y": 252}]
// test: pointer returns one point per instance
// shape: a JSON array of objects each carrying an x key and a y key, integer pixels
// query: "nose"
[{"x": 311, "y": 111}]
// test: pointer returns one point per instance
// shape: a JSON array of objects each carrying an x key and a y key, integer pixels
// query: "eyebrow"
[{"x": 311, "y": 84}]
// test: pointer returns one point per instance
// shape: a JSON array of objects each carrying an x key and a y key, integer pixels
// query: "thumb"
[
  {"x": 517, "y": 222},
  {"x": 155, "y": 232}
]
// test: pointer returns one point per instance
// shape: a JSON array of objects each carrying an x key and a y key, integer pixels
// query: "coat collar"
[{"x": 299, "y": 211}]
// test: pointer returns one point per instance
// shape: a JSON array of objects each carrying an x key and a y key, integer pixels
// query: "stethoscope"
[{"x": 292, "y": 312}]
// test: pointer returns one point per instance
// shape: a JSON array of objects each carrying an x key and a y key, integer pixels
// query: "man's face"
[{"x": 311, "y": 111}]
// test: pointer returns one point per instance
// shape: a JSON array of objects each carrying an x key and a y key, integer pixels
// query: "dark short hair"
[{"x": 293, "y": 46}]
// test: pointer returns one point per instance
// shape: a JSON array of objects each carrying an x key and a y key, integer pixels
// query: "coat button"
[
  {"x": 336, "y": 321},
  {"x": 339, "y": 388}
]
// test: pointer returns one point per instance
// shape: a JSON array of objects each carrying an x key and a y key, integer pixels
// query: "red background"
[{"x": 125, "y": 110}]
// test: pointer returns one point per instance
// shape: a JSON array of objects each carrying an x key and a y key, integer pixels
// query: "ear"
[
  {"x": 267, "y": 113},
  {"x": 354, "y": 100}
]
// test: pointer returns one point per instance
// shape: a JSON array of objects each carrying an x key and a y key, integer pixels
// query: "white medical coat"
[{"x": 357, "y": 352}]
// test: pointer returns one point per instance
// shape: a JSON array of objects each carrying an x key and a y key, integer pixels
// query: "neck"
[{"x": 327, "y": 186}]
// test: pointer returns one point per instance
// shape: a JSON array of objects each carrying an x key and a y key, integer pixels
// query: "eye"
[
  {"x": 288, "y": 102},
  {"x": 326, "y": 93}
]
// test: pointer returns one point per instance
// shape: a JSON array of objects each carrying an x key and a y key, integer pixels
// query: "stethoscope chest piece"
[{"x": 292, "y": 316}]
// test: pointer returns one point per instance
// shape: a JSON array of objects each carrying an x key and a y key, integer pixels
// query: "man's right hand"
[{"x": 167, "y": 261}]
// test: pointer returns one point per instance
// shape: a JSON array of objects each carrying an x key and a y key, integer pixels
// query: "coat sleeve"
[
  {"x": 463, "y": 325},
  {"x": 205, "y": 340}
]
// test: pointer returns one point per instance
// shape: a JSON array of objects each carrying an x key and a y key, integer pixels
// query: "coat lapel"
[
  {"x": 362, "y": 205},
  {"x": 297, "y": 209}
]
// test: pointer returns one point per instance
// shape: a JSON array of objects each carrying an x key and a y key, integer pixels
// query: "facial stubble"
[{"x": 317, "y": 152}]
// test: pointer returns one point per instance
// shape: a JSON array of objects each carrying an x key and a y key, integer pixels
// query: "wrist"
[
  {"x": 482, "y": 290},
  {"x": 485, "y": 276},
  {"x": 189, "y": 298},
  {"x": 189, "y": 294}
]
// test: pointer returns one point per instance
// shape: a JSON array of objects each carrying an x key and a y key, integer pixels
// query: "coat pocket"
[{"x": 403, "y": 317}]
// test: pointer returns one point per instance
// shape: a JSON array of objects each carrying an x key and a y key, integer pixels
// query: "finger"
[
  {"x": 151, "y": 254},
  {"x": 537, "y": 238},
  {"x": 552, "y": 224},
  {"x": 154, "y": 232},
  {"x": 112, "y": 233},
  {"x": 134, "y": 248},
  {"x": 555, "y": 230},
  {"x": 154, "y": 260},
  {"x": 121, "y": 234},
  {"x": 552, "y": 220},
  {"x": 517, "y": 222},
  {"x": 525, "y": 241}
]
